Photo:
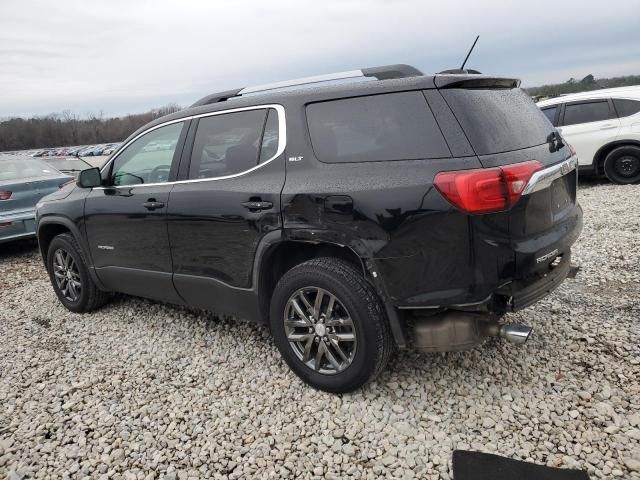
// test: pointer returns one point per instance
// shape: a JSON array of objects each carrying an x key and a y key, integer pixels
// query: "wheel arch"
[
  {"x": 51, "y": 226},
  {"x": 277, "y": 257},
  {"x": 601, "y": 154}
]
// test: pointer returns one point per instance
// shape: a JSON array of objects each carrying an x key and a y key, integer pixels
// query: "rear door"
[
  {"x": 588, "y": 125},
  {"x": 228, "y": 200}
]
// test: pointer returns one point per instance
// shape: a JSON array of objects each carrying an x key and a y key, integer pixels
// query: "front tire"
[
  {"x": 70, "y": 277},
  {"x": 622, "y": 165},
  {"x": 329, "y": 325}
]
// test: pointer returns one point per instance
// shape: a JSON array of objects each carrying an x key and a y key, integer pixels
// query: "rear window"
[
  {"x": 586, "y": 112},
  {"x": 396, "y": 126},
  {"x": 498, "y": 121},
  {"x": 626, "y": 107},
  {"x": 19, "y": 168}
]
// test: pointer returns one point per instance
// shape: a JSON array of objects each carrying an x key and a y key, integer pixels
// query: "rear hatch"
[{"x": 505, "y": 127}]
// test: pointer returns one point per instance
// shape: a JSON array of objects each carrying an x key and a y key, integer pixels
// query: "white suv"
[{"x": 604, "y": 128}]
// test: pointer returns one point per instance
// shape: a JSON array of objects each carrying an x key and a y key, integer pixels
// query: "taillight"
[
  {"x": 5, "y": 195},
  {"x": 571, "y": 149},
  {"x": 485, "y": 190}
]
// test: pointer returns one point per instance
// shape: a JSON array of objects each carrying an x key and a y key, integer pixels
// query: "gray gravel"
[{"x": 142, "y": 390}]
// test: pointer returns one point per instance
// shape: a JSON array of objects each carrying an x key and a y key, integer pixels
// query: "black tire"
[
  {"x": 622, "y": 165},
  {"x": 89, "y": 296},
  {"x": 342, "y": 280}
]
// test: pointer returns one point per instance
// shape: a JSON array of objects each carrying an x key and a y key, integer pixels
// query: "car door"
[
  {"x": 126, "y": 221},
  {"x": 588, "y": 125},
  {"x": 229, "y": 200}
]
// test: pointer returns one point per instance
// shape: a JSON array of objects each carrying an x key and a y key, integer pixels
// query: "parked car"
[
  {"x": 87, "y": 151},
  {"x": 110, "y": 149},
  {"x": 604, "y": 128},
  {"x": 409, "y": 210},
  {"x": 70, "y": 166},
  {"x": 23, "y": 181}
]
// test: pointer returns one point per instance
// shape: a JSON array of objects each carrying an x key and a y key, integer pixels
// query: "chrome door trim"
[{"x": 282, "y": 142}]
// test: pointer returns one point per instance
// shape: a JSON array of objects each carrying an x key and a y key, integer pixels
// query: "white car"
[{"x": 603, "y": 126}]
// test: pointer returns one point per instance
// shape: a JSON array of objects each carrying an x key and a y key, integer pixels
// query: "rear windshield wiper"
[{"x": 555, "y": 141}]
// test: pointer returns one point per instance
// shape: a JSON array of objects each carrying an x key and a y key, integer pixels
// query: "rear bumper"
[
  {"x": 520, "y": 294},
  {"x": 17, "y": 225}
]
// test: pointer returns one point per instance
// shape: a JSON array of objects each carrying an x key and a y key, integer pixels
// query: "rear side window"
[
  {"x": 626, "y": 107},
  {"x": 227, "y": 144},
  {"x": 396, "y": 126},
  {"x": 498, "y": 121},
  {"x": 586, "y": 112},
  {"x": 551, "y": 113}
]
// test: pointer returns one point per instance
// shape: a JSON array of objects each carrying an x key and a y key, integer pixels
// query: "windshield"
[
  {"x": 18, "y": 168},
  {"x": 497, "y": 121}
]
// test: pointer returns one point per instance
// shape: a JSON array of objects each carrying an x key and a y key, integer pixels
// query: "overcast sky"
[{"x": 125, "y": 56}]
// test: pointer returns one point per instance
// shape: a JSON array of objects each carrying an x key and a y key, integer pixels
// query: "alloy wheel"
[
  {"x": 67, "y": 275},
  {"x": 320, "y": 330}
]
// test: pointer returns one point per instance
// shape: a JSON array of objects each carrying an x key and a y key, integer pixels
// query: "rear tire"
[
  {"x": 622, "y": 165},
  {"x": 347, "y": 325},
  {"x": 70, "y": 277}
]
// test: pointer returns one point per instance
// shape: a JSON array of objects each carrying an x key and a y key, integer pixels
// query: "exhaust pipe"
[
  {"x": 457, "y": 330},
  {"x": 515, "y": 333}
]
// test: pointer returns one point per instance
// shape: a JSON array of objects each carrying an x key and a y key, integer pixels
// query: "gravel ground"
[{"x": 143, "y": 390}]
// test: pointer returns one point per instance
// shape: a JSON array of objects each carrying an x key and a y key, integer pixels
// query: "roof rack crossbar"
[{"x": 381, "y": 73}]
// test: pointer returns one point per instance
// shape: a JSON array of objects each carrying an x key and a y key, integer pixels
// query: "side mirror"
[{"x": 89, "y": 178}]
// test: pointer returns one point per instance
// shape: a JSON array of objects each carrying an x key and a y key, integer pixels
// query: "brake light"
[
  {"x": 5, "y": 224},
  {"x": 571, "y": 149},
  {"x": 485, "y": 190},
  {"x": 5, "y": 195}
]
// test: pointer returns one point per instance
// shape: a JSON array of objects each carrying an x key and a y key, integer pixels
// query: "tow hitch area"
[{"x": 455, "y": 330}]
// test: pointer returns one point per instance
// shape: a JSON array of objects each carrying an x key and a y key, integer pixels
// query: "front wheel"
[
  {"x": 329, "y": 325},
  {"x": 70, "y": 277},
  {"x": 622, "y": 165}
]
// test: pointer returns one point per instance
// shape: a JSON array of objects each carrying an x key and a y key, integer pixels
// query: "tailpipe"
[{"x": 515, "y": 333}]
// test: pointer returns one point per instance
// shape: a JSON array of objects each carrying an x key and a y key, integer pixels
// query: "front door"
[
  {"x": 587, "y": 125},
  {"x": 228, "y": 203},
  {"x": 126, "y": 220}
]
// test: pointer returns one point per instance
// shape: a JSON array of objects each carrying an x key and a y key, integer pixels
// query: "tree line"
[
  {"x": 589, "y": 82},
  {"x": 67, "y": 129}
]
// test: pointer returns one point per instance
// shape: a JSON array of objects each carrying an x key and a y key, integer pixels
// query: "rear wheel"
[
  {"x": 622, "y": 165},
  {"x": 329, "y": 325},
  {"x": 70, "y": 277}
]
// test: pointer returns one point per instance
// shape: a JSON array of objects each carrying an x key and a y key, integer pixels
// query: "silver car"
[{"x": 23, "y": 182}]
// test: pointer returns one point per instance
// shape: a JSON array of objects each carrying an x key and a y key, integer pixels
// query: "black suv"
[{"x": 374, "y": 209}]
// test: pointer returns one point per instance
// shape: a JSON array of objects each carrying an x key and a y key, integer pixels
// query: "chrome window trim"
[
  {"x": 282, "y": 142},
  {"x": 544, "y": 178}
]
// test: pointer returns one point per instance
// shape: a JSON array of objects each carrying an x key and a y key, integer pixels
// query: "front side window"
[
  {"x": 395, "y": 126},
  {"x": 148, "y": 159},
  {"x": 626, "y": 107},
  {"x": 586, "y": 112},
  {"x": 233, "y": 143},
  {"x": 551, "y": 113}
]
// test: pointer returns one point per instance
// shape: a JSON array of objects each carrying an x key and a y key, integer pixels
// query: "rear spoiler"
[{"x": 474, "y": 81}]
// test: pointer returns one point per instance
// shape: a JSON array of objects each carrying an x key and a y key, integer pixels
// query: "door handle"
[
  {"x": 607, "y": 126},
  {"x": 151, "y": 204},
  {"x": 257, "y": 205}
]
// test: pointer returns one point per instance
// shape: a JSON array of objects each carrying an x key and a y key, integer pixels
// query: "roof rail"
[{"x": 381, "y": 73}]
